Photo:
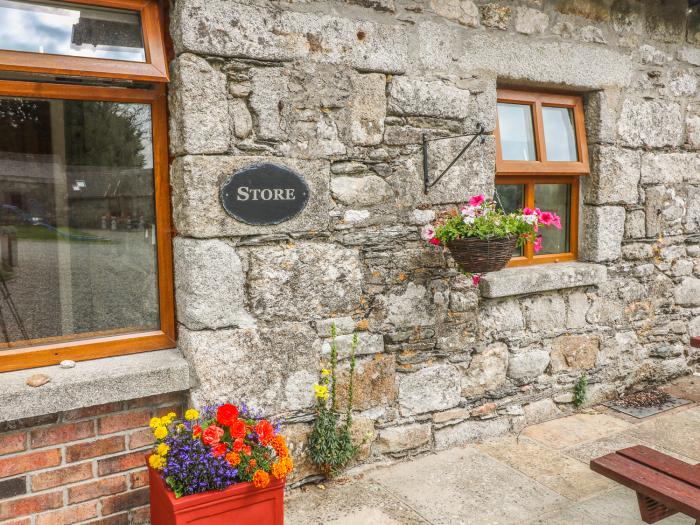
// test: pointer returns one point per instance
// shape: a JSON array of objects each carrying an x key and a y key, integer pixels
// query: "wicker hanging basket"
[{"x": 474, "y": 255}]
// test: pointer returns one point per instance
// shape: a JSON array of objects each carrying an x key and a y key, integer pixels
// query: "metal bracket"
[{"x": 427, "y": 184}]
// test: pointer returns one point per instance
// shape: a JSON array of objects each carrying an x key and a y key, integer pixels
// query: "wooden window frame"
[
  {"x": 21, "y": 357},
  {"x": 542, "y": 171},
  {"x": 154, "y": 69}
]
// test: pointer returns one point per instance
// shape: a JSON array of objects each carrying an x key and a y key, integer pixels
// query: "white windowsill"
[
  {"x": 92, "y": 383},
  {"x": 541, "y": 278}
]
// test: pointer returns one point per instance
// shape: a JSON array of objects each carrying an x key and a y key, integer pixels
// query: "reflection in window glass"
[
  {"x": 77, "y": 220},
  {"x": 559, "y": 134},
  {"x": 555, "y": 198},
  {"x": 58, "y": 28},
  {"x": 516, "y": 132},
  {"x": 511, "y": 197}
]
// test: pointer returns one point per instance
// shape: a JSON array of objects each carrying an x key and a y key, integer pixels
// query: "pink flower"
[
  {"x": 546, "y": 218},
  {"x": 434, "y": 241},
  {"x": 428, "y": 232},
  {"x": 538, "y": 244},
  {"x": 476, "y": 278},
  {"x": 476, "y": 200},
  {"x": 557, "y": 222},
  {"x": 528, "y": 211}
]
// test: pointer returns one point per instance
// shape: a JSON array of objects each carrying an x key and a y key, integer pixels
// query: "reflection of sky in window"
[{"x": 44, "y": 28}]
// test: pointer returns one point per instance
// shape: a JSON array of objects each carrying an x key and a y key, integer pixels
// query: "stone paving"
[{"x": 540, "y": 476}]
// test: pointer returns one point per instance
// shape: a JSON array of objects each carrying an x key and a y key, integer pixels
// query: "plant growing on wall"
[
  {"x": 330, "y": 442},
  {"x": 580, "y": 390}
]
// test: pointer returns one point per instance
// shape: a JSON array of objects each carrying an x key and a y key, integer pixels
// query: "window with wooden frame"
[
  {"x": 541, "y": 153},
  {"x": 85, "y": 247}
]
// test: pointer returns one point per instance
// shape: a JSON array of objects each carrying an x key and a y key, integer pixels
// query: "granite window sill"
[
  {"x": 92, "y": 383},
  {"x": 541, "y": 278}
]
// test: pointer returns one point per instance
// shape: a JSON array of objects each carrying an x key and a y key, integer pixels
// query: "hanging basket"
[{"x": 474, "y": 255}]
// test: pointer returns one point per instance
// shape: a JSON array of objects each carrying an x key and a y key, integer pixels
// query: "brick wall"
[{"x": 80, "y": 466}]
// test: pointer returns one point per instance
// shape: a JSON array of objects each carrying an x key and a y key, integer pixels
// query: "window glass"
[
  {"x": 511, "y": 197},
  {"x": 555, "y": 198},
  {"x": 59, "y": 28},
  {"x": 516, "y": 132},
  {"x": 77, "y": 220},
  {"x": 559, "y": 134}
]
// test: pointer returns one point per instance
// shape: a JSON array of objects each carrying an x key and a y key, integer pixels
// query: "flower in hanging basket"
[
  {"x": 481, "y": 236},
  {"x": 217, "y": 447}
]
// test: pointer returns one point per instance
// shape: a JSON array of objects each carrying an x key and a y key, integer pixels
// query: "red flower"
[
  {"x": 434, "y": 241},
  {"x": 196, "y": 431},
  {"x": 265, "y": 431},
  {"x": 219, "y": 449},
  {"x": 246, "y": 450},
  {"x": 238, "y": 429},
  {"x": 212, "y": 435},
  {"x": 226, "y": 414},
  {"x": 238, "y": 445}
]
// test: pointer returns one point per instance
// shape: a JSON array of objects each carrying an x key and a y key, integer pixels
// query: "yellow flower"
[
  {"x": 180, "y": 427},
  {"x": 191, "y": 414},
  {"x": 157, "y": 462},
  {"x": 325, "y": 372},
  {"x": 162, "y": 449},
  {"x": 321, "y": 392},
  {"x": 160, "y": 432},
  {"x": 167, "y": 419},
  {"x": 155, "y": 422}
]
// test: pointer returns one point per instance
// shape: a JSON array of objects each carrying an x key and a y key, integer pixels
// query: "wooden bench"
[
  {"x": 695, "y": 341},
  {"x": 664, "y": 485}
]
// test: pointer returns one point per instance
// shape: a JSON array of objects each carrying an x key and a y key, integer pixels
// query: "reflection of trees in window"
[
  {"x": 99, "y": 134},
  {"x": 20, "y": 128}
]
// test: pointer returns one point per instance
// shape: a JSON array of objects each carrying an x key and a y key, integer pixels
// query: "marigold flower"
[
  {"x": 162, "y": 449},
  {"x": 160, "y": 432},
  {"x": 287, "y": 463},
  {"x": 155, "y": 422},
  {"x": 191, "y": 414},
  {"x": 279, "y": 470},
  {"x": 234, "y": 458},
  {"x": 155, "y": 461},
  {"x": 280, "y": 446},
  {"x": 261, "y": 479},
  {"x": 253, "y": 463}
]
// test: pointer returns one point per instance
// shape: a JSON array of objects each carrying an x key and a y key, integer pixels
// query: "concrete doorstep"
[{"x": 539, "y": 477}]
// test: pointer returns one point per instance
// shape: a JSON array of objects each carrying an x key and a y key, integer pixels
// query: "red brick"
[
  {"x": 160, "y": 399},
  {"x": 141, "y": 438},
  {"x": 160, "y": 412},
  {"x": 62, "y": 433},
  {"x": 23, "y": 521},
  {"x": 123, "y": 421},
  {"x": 70, "y": 515},
  {"x": 138, "y": 479},
  {"x": 126, "y": 501},
  {"x": 140, "y": 516},
  {"x": 97, "y": 410},
  {"x": 10, "y": 443},
  {"x": 30, "y": 461},
  {"x": 100, "y": 447},
  {"x": 120, "y": 463},
  {"x": 30, "y": 505},
  {"x": 95, "y": 489},
  {"x": 62, "y": 476},
  {"x": 117, "y": 519}
]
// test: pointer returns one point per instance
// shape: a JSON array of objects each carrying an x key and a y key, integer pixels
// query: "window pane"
[
  {"x": 559, "y": 134},
  {"x": 555, "y": 198},
  {"x": 77, "y": 220},
  {"x": 511, "y": 197},
  {"x": 516, "y": 132},
  {"x": 59, "y": 28}
]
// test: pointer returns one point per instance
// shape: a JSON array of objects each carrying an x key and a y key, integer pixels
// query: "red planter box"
[{"x": 240, "y": 504}]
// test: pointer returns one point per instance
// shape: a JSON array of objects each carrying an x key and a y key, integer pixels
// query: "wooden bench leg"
[{"x": 653, "y": 511}]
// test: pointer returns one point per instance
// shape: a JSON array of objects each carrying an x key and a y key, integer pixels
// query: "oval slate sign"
[{"x": 264, "y": 194}]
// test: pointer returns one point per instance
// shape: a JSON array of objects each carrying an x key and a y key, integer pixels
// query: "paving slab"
[
  {"x": 466, "y": 486},
  {"x": 678, "y": 432},
  {"x": 585, "y": 452},
  {"x": 353, "y": 503},
  {"x": 563, "y": 474},
  {"x": 579, "y": 428}
]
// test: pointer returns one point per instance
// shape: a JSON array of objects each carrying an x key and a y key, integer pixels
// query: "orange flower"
[
  {"x": 280, "y": 446},
  {"x": 279, "y": 470},
  {"x": 253, "y": 463},
  {"x": 261, "y": 479},
  {"x": 288, "y": 463},
  {"x": 233, "y": 458}
]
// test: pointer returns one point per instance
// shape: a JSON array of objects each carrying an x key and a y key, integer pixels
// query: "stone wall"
[{"x": 341, "y": 92}]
